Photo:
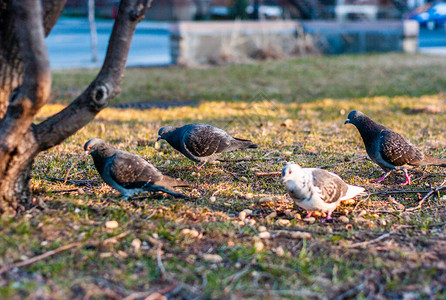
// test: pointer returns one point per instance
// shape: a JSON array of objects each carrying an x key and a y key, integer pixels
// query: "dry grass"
[{"x": 386, "y": 250}]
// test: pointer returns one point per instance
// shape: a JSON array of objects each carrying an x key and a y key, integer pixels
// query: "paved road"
[{"x": 69, "y": 44}]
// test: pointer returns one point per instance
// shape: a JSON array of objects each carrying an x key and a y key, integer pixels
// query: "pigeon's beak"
[
  {"x": 159, "y": 137},
  {"x": 285, "y": 178},
  {"x": 347, "y": 121}
]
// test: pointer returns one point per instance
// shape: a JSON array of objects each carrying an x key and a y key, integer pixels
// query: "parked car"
[
  {"x": 431, "y": 15},
  {"x": 266, "y": 11}
]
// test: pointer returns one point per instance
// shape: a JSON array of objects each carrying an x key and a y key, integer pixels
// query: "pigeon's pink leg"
[
  {"x": 328, "y": 218},
  {"x": 383, "y": 177},
  {"x": 309, "y": 214},
  {"x": 407, "y": 182}
]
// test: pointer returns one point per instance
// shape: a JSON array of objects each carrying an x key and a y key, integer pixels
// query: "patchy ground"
[{"x": 240, "y": 235}]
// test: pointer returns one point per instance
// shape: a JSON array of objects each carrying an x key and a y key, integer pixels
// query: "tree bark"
[
  {"x": 11, "y": 69},
  {"x": 27, "y": 82}
]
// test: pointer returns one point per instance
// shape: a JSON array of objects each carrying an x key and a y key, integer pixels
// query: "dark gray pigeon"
[
  {"x": 202, "y": 143},
  {"x": 127, "y": 172},
  {"x": 389, "y": 149},
  {"x": 317, "y": 189}
]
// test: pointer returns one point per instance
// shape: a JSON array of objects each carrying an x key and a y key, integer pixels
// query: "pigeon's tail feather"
[
  {"x": 352, "y": 192},
  {"x": 246, "y": 144},
  {"x": 429, "y": 160},
  {"x": 167, "y": 181}
]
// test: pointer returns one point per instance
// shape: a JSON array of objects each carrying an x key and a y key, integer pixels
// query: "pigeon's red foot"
[
  {"x": 407, "y": 182},
  {"x": 382, "y": 178},
  {"x": 309, "y": 214},
  {"x": 328, "y": 218}
]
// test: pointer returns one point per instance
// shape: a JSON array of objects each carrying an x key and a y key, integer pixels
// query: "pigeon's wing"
[
  {"x": 396, "y": 150},
  {"x": 331, "y": 185},
  {"x": 202, "y": 141},
  {"x": 132, "y": 171}
]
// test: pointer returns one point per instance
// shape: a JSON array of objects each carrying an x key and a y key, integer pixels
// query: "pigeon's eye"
[
  {"x": 353, "y": 117},
  {"x": 289, "y": 171},
  {"x": 163, "y": 132},
  {"x": 89, "y": 147}
]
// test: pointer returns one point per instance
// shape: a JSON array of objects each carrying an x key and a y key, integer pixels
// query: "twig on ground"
[
  {"x": 268, "y": 173},
  {"x": 428, "y": 226},
  {"x": 218, "y": 191},
  {"x": 160, "y": 263},
  {"x": 279, "y": 230},
  {"x": 244, "y": 159},
  {"x": 373, "y": 171},
  {"x": 385, "y": 212},
  {"x": 55, "y": 251},
  {"x": 145, "y": 295},
  {"x": 233, "y": 175},
  {"x": 64, "y": 191},
  {"x": 365, "y": 243},
  {"x": 39, "y": 257},
  {"x": 362, "y": 200},
  {"x": 304, "y": 294},
  {"x": 396, "y": 192},
  {"x": 232, "y": 280},
  {"x": 345, "y": 162},
  {"x": 424, "y": 176},
  {"x": 351, "y": 292},
  {"x": 141, "y": 295},
  {"x": 75, "y": 182},
  {"x": 69, "y": 170},
  {"x": 115, "y": 238},
  {"x": 427, "y": 196},
  {"x": 197, "y": 294},
  {"x": 268, "y": 154},
  {"x": 151, "y": 215},
  {"x": 113, "y": 287}
]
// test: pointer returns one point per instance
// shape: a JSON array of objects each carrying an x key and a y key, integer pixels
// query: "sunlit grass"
[{"x": 289, "y": 126}]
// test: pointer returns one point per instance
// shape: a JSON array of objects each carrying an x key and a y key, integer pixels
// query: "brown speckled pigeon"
[
  {"x": 127, "y": 172},
  {"x": 202, "y": 143},
  {"x": 316, "y": 189},
  {"x": 389, "y": 149}
]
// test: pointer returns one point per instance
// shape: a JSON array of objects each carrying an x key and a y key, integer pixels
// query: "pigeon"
[
  {"x": 127, "y": 172},
  {"x": 202, "y": 143},
  {"x": 316, "y": 189},
  {"x": 389, "y": 149}
]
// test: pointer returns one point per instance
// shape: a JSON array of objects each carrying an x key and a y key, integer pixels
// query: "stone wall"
[{"x": 195, "y": 43}]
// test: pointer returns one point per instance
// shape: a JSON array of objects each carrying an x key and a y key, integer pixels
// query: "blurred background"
[{"x": 194, "y": 32}]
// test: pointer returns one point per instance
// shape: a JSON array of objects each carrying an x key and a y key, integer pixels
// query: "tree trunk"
[
  {"x": 25, "y": 83},
  {"x": 15, "y": 193}
]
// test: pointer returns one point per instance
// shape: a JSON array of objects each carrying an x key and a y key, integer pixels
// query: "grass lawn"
[{"x": 389, "y": 244}]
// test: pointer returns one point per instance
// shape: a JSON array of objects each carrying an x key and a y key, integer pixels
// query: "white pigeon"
[{"x": 316, "y": 189}]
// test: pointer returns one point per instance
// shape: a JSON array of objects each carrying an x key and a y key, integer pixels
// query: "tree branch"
[
  {"x": 32, "y": 95},
  {"x": 29, "y": 29},
  {"x": 107, "y": 84},
  {"x": 52, "y": 9},
  {"x": 11, "y": 67}
]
